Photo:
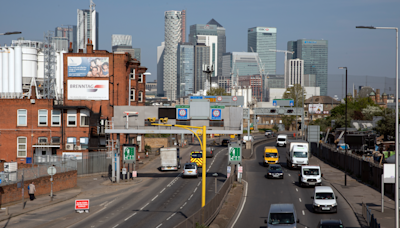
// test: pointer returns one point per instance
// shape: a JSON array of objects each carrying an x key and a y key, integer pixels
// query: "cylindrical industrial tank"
[
  {"x": 40, "y": 66},
  {"x": 5, "y": 71},
  {"x": 11, "y": 70},
  {"x": 1, "y": 69},
  {"x": 239, "y": 91},
  {"x": 58, "y": 59},
  {"x": 249, "y": 94},
  {"x": 245, "y": 97},
  {"x": 61, "y": 81},
  {"x": 18, "y": 70},
  {"x": 233, "y": 91},
  {"x": 29, "y": 62}
]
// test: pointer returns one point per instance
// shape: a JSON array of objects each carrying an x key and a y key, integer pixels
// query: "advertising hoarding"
[
  {"x": 315, "y": 108},
  {"x": 88, "y": 67},
  {"x": 88, "y": 90},
  {"x": 72, "y": 155}
]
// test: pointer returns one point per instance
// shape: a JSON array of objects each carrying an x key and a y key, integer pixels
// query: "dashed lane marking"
[
  {"x": 171, "y": 216},
  {"x": 190, "y": 197},
  {"x": 198, "y": 184},
  {"x": 130, "y": 216},
  {"x": 299, "y": 199},
  {"x": 195, "y": 189},
  {"x": 297, "y": 190},
  {"x": 159, "y": 225},
  {"x": 183, "y": 205},
  {"x": 154, "y": 198},
  {"x": 115, "y": 226},
  {"x": 288, "y": 174},
  {"x": 303, "y": 212},
  {"x": 144, "y": 207},
  {"x": 162, "y": 190}
]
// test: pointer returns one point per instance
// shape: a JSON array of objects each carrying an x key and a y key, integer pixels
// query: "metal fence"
[
  {"x": 207, "y": 214},
  {"x": 88, "y": 163},
  {"x": 372, "y": 222}
]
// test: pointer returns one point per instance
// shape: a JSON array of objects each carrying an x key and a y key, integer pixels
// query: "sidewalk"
[{"x": 356, "y": 193}]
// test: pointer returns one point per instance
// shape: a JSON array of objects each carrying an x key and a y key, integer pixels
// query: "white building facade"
[
  {"x": 295, "y": 72},
  {"x": 212, "y": 42}
]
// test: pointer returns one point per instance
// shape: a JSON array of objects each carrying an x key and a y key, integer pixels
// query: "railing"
[
  {"x": 371, "y": 221},
  {"x": 207, "y": 214}
]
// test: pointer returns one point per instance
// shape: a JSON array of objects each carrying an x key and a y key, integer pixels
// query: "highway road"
[{"x": 263, "y": 192}]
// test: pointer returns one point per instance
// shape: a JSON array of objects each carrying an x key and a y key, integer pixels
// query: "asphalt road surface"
[{"x": 263, "y": 192}]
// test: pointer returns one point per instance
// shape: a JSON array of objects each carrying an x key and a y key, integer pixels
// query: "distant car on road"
[
  {"x": 190, "y": 170},
  {"x": 281, "y": 140},
  {"x": 248, "y": 138},
  {"x": 275, "y": 171},
  {"x": 330, "y": 223},
  {"x": 209, "y": 152},
  {"x": 269, "y": 133},
  {"x": 225, "y": 142}
]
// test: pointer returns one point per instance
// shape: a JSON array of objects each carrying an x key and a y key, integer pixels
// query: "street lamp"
[
  {"x": 396, "y": 133},
  {"x": 345, "y": 131},
  {"x": 9, "y": 33}
]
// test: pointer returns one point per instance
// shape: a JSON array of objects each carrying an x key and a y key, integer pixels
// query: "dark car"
[
  {"x": 330, "y": 223},
  {"x": 209, "y": 152},
  {"x": 225, "y": 142},
  {"x": 275, "y": 171}
]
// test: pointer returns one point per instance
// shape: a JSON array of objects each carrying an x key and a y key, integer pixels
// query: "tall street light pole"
[
  {"x": 345, "y": 131},
  {"x": 396, "y": 133}
]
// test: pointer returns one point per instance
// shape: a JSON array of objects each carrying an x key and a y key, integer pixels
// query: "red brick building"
[{"x": 75, "y": 122}]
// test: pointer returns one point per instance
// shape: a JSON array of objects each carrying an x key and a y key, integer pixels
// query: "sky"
[{"x": 363, "y": 51}]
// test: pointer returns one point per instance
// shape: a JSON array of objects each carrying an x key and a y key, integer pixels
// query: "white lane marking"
[
  {"x": 190, "y": 197},
  {"x": 195, "y": 189},
  {"x": 297, "y": 190},
  {"x": 208, "y": 169},
  {"x": 198, "y": 184},
  {"x": 130, "y": 216},
  {"x": 303, "y": 212},
  {"x": 288, "y": 174},
  {"x": 115, "y": 226},
  {"x": 144, "y": 206},
  {"x": 183, "y": 205},
  {"x": 154, "y": 198},
  {"x": 162, "y": 190},
  {"x": 159, "y": 225},
  {"x": 171, "y": 216},
  {"x": 100, "y": 204},
  {"x": 299, "y": 199},
  {"x": 244, "y": 202}
]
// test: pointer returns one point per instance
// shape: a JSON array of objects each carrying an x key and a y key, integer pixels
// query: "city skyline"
[{"x": 348, "y": 46}]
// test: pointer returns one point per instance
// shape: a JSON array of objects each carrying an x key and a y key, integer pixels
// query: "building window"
[
  {"x": 84, "y": 142},
  {"x": 71, "y": 140},
  {"x": 42, "y": 117},
  {"x": 55, "y": 118},
  {"x": 42, "y": 140},
  {"x": 132, "y": 96},
  {"x": 140, "y": 78},
  {"x": 71, "y": 118},
  {"x": 55, "y": 140},
  {"x": 140, "y": 97},
  {"x": 84, "y": 118},
  {"x": 22, "y": 117},
  {"x": 21, "y": 147},
  {"x": 132, "y": 74}
]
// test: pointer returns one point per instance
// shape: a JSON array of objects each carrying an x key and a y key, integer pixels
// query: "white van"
[
  {"x": 324, "y": 199},
  {"x": 281, "y": 140},
  {"x": 310, "y": 175},
  {"x": 248, "y": 138}
]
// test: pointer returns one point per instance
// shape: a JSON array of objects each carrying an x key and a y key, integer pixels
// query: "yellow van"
[{"x": 271, "y": 155}]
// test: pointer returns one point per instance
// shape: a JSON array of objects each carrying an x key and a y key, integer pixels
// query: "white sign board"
[
  {"x": 315, "y": 108},
  {"x": 88, "y": 89},
  {"x": 123, "y": 171},
  {"x": 389, "y": 173},
  {"x": 240, "y": 169},
  {"x": 72, "y": 155},
  {"x": 51, "y": 170}
]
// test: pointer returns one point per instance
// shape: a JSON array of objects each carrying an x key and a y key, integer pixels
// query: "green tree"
[
  {"x": 295, "y": 94},
  {"x": 354, "y": 108},
  {"x": 217, "y": 92},
  {"x": 287, "y": 121},
  {"x": 386, "y": 126},
  {"x": 370, "y": 111}
]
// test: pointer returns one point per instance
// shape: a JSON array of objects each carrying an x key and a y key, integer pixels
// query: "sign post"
[
  {"x": 82, "y": 205},
  {"x": 129, "y": 155},
  {"x": 51, "y": 171}
]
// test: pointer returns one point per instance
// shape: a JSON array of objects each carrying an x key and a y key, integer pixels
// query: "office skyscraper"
[
  {"x": 221, "y": 44},
  {"x": 212, "y": 42},
  {"x": 88, "y": 27},
  {"x": 185, "y": 69},
  {"x": 123, "y": 43},
  {"x": 160, "y": 70},
  {"x": 173, "y": 35},
  {"x": 262, "y": 39},
  {"x": 69, "y": 32},
  {"x": 201, "y": 57},
  {"x": 315, "y": 56}
]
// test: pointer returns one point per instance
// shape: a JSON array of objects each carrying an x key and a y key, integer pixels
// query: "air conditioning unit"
[
  {"x": 69, "y": 146},
  {"x": 78, "y": 148}
]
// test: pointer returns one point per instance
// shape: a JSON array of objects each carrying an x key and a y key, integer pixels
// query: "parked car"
[
  {"x": 275, "y": 171},
  {"x": 330, "y": 223},
  {"x": 324, "y": 199},
  {"x": 209, "y": 152},
  {"x": 190, "y": 170},
  {"x": 269, "y": 133},
  {"x": 225, "y": 142}
]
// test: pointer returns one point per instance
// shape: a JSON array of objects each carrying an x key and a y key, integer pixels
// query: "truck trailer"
[{"x": 170, "y": 159}]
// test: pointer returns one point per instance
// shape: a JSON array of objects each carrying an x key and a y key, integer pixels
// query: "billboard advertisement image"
[
  {"x": 88, "y": 67},
  {"x": 315, "y": 108},
  {"x": 87, "y": 89}
]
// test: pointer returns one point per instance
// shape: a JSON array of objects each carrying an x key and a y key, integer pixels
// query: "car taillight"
[{"x": 196, "y": 171}]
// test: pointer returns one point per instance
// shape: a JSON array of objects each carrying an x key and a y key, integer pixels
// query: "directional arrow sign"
[
  {"x": 235, "y": 154},
  {"x": 129, "y": 154}
]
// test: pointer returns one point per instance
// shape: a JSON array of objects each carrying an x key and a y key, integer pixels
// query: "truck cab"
[
  {"x": 297, "y": 154},
  {"x": 310, "y": 175}
]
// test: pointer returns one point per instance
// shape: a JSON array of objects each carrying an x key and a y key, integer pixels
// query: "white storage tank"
[
  {"x": 249, "y": 94},
  {"x": 233, "y": 91},
  {"x": 239, "y": 91},
  {"x": 29, "y": 62},
  {"x": 40, "y": 66},
  {"x": 60, "y": 83},
  {"x": 11, "y": 70},
  {"x": 244, "y": 97},
  {"x": 5, "y": 71},
  {"x": 18, "y": 70}
]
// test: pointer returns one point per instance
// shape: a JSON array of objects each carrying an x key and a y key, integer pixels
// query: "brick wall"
[
  {"x": 62, "y": 181},
  {"x": 156, "y": 142}
]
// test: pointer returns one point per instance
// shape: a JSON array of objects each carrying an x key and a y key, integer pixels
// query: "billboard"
[
  {"x": 72, "y": 155},
  {"x": 315, "y": 108},
  {"x": 88, "y": 67},
  {"x": 87, "y": 89}
]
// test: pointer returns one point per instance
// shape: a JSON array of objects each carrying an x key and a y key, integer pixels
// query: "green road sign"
[
  {"x": 182, "y": 106},
  {"x": 217, "y": 106},
  {"x": 129, "y": 153},
  {"x": 235, "y": 154}
]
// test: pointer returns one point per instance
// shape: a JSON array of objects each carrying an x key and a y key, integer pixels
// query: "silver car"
[{"x": 190, "y": 170}]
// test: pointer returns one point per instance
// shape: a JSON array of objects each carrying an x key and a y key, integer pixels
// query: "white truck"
[
  {"x": 297, "y": 153},
  {"x": 170, "y": 159}
]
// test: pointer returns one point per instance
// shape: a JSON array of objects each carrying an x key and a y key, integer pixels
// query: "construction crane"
[
  {"x": 261, "y": 68},
  {"x": 234, "y": 80},
  {"x": 291, "y": 52}
]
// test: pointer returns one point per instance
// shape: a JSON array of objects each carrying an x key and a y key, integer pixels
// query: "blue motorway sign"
[
  {"x": 216, "y": 114},
  {"x": 182, "y": 113},
  {"x": 207, "y": 97},
  {"x": 274, "y": 103},
  {"x": 291, "y": 103},
  {"x": 196, "y": 97}
]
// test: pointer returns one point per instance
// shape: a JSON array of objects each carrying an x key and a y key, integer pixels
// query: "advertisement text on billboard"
[{"x": 88, "y": 67}]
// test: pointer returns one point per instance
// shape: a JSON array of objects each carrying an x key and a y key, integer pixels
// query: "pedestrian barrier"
[{"x": 372, "y": 222}]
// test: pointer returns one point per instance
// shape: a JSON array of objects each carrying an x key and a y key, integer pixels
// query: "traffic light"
[
  {"x": 151, "y": 119},
  {"x": 164, "y": 120}
]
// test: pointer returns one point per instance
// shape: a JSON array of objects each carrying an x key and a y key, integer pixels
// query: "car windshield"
[
  {"x": 196, "y": 155},
  {"x": 310, "y": 171},
  {"x": 275, "y": 168},
  {"x": 324, "y": 195},
  {"x": 281, "y": 139},
  {"x": 281, "y": 218},
  {"x": 331, "y": 226},
  {"x": 271, "y": 155},
  {"x": 190, "y": 166},
  {"x": 300, "y": 154}
]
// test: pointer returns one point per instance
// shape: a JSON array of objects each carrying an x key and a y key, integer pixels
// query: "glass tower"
[
  {"x": 262, "y": 39},
  {"x": 221, "y": 44},
  {"x": 185, "y": 69},
  {"x": 315, "y": 56},
  {"x": 201, "y": 57}
]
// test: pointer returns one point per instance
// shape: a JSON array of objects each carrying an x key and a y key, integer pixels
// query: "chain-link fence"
[{"x": 206, "y": 214}]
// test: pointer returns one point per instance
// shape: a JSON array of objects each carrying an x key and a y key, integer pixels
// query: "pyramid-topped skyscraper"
[{"x": 221, "y": 44}]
